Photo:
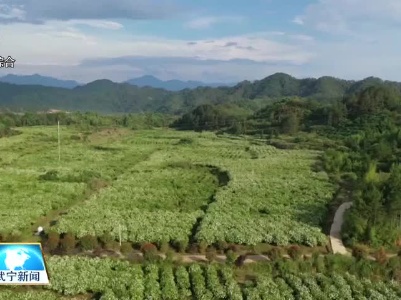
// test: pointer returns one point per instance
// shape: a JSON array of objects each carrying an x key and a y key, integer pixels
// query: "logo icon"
[{"x": 22, "y": 264}]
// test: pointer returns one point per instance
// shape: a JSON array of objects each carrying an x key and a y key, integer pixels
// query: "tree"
[
  {"x": 88, "y": 242},
  {"x": 392, "y": 195},
  {"x": 373, "y": 203},
  {"x": 290, "y": 124}
]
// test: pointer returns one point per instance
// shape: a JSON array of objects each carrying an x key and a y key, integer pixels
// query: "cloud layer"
[
  {"x": 208, "y": 22},
  {"x": 345, "y": 16},
  {"x": 38, "y": 11},
  {"x": 103, "y": 38}
]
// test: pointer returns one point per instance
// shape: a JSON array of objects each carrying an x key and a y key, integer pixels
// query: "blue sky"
[{"x": 212, "y": 41}]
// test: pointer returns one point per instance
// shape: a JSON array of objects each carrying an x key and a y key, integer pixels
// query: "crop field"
[
  {"x": 73, "y": 276},
  {"x": 161, "y": 185}
]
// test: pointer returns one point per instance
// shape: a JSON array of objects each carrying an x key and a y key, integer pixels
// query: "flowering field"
[
  {"x": 163, "y": 185},
  {"x": 72, "y": 276}
]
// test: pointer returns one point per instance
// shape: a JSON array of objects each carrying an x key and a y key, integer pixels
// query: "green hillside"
[{"x": 105, "y": 96}]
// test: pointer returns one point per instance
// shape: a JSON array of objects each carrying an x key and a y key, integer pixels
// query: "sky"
[{"x": 208, "y": 40}]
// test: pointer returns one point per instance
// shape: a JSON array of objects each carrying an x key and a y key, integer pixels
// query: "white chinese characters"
[{"x": 7, "y": 62}]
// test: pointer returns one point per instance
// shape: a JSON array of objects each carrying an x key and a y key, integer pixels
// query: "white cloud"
[
  {"x": 209, "y": 21},
  {"x": 60, "y": 41},
  {"x": 12, "y": 12},
  {"x": 56, "y": 48},
  {"x": 37, "y": 11},
  {"x": 298, "y": 20},
  {"x": 97, "y": 24},
  {"x": 346, "y": 16},
  {"x": 370, "y": 46}
]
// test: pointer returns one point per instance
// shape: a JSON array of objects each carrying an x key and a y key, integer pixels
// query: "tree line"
[{"x": 86, "y": 120}]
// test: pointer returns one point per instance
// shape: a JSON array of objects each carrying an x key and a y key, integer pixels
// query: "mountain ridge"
[
  {"x": 36, "y": 79},
  {"x": 106, "y": 96},
  {"x": 143, "y": 81},
  {"x": 170, "y": 85}
]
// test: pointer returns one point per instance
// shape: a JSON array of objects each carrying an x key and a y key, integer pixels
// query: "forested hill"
[{"x": 105, "y": 96}]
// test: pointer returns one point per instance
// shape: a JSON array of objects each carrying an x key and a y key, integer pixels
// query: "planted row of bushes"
[{"x": 67, "y": 243}]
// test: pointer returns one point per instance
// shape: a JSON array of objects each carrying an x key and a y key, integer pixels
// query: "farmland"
[
  {"x": 111, "y": 279},
  {"x": 159, "y": 185},
  {"x": 175, "y": 187}
]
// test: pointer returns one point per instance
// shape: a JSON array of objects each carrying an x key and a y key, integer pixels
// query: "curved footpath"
[{"x": 337, "y": 245}]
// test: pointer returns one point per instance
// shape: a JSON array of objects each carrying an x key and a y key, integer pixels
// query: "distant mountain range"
[
  {"x": 37, "y": 79},
  {"x": 105, "y": 96},
  {"x": 144, "y": 81},
  {"x": 171, "y": 85}
]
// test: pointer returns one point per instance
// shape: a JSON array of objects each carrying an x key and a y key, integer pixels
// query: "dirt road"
[{"x": 335, "y": 231}]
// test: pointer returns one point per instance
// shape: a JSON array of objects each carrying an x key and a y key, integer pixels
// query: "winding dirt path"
[
  {"x": 337, "y": 245},
  {"x": 191, "y": 258}
]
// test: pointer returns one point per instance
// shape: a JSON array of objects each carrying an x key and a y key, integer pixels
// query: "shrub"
[
  {"x": 149, "y": 251},
  {"x": 240, "y": 260},
  {"x": 381, "y": 256},
  {"x": 275, "y": 253},
  {"x": 88, "y": 242},
  {"x": 97, "y": 184},
  {"x": 181, "y": 245},
  {"x": 75, "y": 137},
  {"x": 211, "y": 254},
  {"x": 112, "y": 245},
  {"x": 126, "y": 248},
  {"x": 193, "y": 248},
  {"x": 106, "y": 238},
  {"x": 231, "y": 257},
  {"x": 295, "y": 252},
  {"x": 164, "y": 247},
  {"x": 51, "y": 175},
  {"x": 360, "y": 252},
  {"x": 53, "y": 240},
  {"x": 202, "y": 247},
  {"x": 318, "y": 264},
  {"x": 185, "y": 141},
  {"x": 68, "y": 242},
  {"x": 170, "y": 255},
  {"x": 234, "y": 247},
  {"x": 222, "y": 245}
]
